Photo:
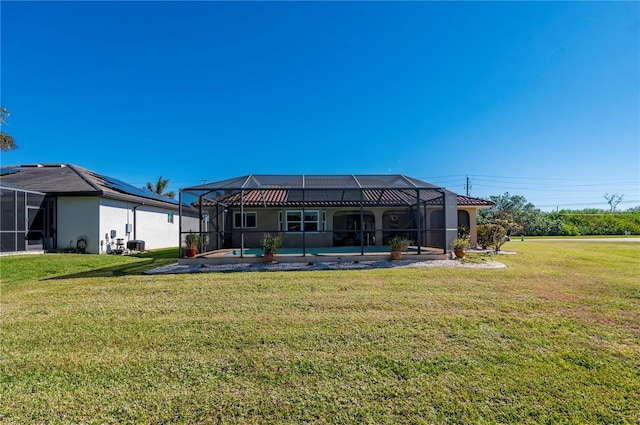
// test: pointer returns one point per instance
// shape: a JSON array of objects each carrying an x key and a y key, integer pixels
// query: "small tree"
[
  {"x": 513, "y": 212},
  {"x": 613, "y": 200},
  {"x": 492, "y": 236},
  {"x": 483, "y": 234},
  {"x": 499, "y": 237}
]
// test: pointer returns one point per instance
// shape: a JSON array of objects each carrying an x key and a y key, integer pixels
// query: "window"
[
  {"x": 311, "y": 221},
  {"x": 250, "y": 220},
  {"x": 296, "y": 223}
]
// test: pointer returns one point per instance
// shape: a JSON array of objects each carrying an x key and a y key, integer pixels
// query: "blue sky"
[{"x": 540, "y": 99}]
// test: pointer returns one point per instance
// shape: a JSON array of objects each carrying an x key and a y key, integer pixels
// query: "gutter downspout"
[{"x": 135, "y": 225}]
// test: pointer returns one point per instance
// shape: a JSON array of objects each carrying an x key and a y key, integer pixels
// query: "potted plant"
[
  {"x": 398, "y": 245},
  {"x": 270, "y": 244},
  {"x": 192, "y": 240},
  {"x": 459, "y": 245}
]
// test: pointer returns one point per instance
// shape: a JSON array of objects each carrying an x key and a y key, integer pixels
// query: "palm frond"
[
  {"x": 6, "y": 142},
  {"x": 160, "y": 186}
]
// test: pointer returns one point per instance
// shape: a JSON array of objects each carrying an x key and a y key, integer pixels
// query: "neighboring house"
[
  {"x": 331, "y": 210},
  {"x": 69, "y": 206}
]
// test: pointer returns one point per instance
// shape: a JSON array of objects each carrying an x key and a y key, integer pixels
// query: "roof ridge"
[{"x": 82, "y": 175}]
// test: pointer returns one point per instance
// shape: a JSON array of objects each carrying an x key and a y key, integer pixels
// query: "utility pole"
[{"x": 468, "y": 185}]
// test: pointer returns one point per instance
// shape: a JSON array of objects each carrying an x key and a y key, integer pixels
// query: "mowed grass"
[{"x": 553, "y": 338}]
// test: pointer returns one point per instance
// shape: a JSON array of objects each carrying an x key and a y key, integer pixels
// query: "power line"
[{"x": 551, "y": 178}]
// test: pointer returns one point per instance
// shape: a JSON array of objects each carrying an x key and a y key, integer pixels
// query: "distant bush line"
[
  {"x": 585, "y": 222},
  {"x": 520, "y": 217}
]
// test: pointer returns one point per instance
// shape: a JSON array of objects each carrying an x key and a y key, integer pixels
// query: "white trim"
[{"x": 302, "y": 220}]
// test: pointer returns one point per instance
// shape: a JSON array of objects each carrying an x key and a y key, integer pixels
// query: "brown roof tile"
[{"x": 337, "y": 198}]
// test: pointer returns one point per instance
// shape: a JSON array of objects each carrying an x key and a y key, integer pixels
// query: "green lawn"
[{"x": 553, "y": 338}]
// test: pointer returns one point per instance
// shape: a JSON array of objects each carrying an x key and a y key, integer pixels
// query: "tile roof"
[
  {"x": 336, "y": 198},
  {"x": 474, "y": 202}
]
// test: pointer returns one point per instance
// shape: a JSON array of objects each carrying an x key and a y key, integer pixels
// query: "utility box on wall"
[{"x": 128, "y": 228}]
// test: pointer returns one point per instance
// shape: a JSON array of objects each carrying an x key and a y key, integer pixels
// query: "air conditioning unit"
[{"x": 135, "y": 245}]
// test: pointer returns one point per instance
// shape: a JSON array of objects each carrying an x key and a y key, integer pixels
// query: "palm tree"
[
  {"x": 160, "y": 187},
  {"x": 6, "y": 142}
]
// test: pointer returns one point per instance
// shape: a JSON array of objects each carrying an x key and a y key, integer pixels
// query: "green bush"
[
  {"x": 484, "y": 235},
  {"x": 603, "y": 222},
  {"x": 491, "y": 236},
  {"x": 518, "y": 216},
  {"x": 570, "y": 230}
]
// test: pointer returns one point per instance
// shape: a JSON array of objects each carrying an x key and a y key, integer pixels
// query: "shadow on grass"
[{"x": 148, "y": 260}]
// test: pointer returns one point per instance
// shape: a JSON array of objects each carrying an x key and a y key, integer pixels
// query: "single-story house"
[
  {"x": 58, "y": 206},
  {"x": 328, "y": 211}
]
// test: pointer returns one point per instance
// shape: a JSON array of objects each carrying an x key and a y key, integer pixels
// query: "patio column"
[
  {"x": 419, "y": 221},
  {"x": 241, "y": 223},
  {"x": 361, "y": 222},
  {"x": 179, "y": 225},
  {"x": 377, "y": 216},
  {"x": 304, "y": 230},
  {"x": 200, "y": 223},
  {"x": 450, "y": 210}
]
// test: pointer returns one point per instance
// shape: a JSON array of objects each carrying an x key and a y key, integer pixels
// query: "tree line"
[{"x": 519, "y": 217}]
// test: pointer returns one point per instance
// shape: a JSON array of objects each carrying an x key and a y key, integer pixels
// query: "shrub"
[
  {"x": 192, "y": 240},
  {"x": 464, "y": 232},
  {"x": 492, "y": 236},
  {"x": 484, "y": 235},
  {"x": 459, "y": 244},
  {"x": 271, "y": 243},
  {"x": 399, "y": 244},
  {"x": 570, "y": 230}
]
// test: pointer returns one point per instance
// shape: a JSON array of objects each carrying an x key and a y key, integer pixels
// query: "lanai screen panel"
[{"x": 319, "y": 191}]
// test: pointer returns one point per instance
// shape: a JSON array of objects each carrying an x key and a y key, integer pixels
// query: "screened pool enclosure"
[{"x": 315, "y": 211}]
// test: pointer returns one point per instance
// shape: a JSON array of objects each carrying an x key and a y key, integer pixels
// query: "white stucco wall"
[
  {"x": 95, "y": 217},
  {"x": 154, "y": 228},
  {"x": 115, "y": 215},
  {"x": 78, "y": 216},
  {"x": 151, "y": 224}
]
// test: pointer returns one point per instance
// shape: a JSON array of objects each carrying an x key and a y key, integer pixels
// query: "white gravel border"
[{"x": 314, "y": 266}]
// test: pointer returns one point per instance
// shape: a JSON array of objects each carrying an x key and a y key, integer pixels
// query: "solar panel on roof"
[
  {"x": 7, "y": 171},
  {"x": 120, "y": 186}
]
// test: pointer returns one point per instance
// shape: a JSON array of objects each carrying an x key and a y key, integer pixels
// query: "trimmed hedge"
[{"x": 603, "y": 223}]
